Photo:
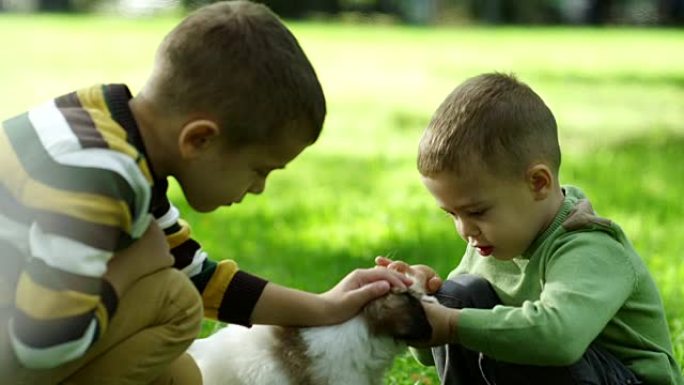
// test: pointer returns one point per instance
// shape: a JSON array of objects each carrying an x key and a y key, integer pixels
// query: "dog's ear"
[{"x": 399, "y": 315}]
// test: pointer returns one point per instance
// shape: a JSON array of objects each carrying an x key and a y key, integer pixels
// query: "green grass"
[{"x": 618, "y": 95}]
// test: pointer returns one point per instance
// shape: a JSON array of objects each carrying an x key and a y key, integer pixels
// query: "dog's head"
[{"x": 399, "y": 315}]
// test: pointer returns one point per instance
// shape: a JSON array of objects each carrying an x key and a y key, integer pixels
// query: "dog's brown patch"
[
  {"x": 290, "y": 351},
  {"x": 399, "y": 315}
]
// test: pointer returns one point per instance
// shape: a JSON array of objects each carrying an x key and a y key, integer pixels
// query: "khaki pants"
[{"x": 156, "y": 320}]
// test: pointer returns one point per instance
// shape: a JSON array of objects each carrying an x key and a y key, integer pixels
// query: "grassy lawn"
[{"x": 618, "y": 95}]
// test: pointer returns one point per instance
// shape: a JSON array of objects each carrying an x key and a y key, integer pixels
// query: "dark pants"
[{"x": 457, "y": 365}]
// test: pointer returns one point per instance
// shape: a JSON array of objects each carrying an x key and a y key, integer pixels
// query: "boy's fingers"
[
  {"x": 382, "y": 261},
  {"x": 394, "y": 278},
  {"x": 399, "y": 266},
  {"x": 375, "y": 289},
  {"x": 434, "y": 284},
  {"x": 369, "y": 292},
  {"x": 425, "y": 270}
]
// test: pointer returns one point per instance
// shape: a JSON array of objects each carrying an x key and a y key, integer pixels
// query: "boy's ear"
[
  {"x": 196, "y": 136},
  {"x": 540, "y": 180}
]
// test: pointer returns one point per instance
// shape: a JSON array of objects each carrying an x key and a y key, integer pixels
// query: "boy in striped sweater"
[{"x": 100, "y": 281}]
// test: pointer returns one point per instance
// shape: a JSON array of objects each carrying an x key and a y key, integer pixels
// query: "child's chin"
[
  {"x": 502, "y": 256},
  {"x": 203, "y": 207}
]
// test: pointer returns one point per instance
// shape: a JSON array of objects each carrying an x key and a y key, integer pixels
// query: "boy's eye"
[{"x": 477, "y": 213}]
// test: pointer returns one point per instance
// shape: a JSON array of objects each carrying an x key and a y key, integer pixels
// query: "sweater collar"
[
  {"x": 572, "y": 195},
  {"x": 117, "y": 97}
]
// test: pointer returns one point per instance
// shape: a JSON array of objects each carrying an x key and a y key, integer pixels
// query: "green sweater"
[{"x": 580, "y": 281}]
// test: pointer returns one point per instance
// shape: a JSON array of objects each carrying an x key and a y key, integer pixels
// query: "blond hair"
[
  {"x": 492, "y": 120},
  {"x": 235, "y": 62}
]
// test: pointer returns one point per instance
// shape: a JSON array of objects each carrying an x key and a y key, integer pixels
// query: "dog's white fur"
[
  {"x": 350, "y": 353},
  {"x": 342, "y": 354},
  {"x": 239, "y": 356}
]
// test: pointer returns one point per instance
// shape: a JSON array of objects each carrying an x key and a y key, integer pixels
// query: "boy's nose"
[
  {"x": 258, "y": 186},
  {"x": 467, "y": 229}
]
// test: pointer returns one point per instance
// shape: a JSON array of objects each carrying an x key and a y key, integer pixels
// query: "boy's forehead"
[
  {"x": 473, "y": 177},
  {"x": 452, "y": 183},
  {"x": 465, "y": 188}
]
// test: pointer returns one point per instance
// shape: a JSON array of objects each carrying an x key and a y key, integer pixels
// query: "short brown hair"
[
  {"x": 237, "y": 63},
  {"x": 492, "y": 120}
]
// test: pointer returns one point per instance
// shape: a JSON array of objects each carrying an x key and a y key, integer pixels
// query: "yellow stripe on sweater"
[
  {"x": 217, "y": 286},
  {"x": 93, "y": 101},
  {"x": 42, "y": 303},
  {"x": 145, "y": 169},
  {"x": 102, "y": 317},
  {"x": 179, "y": 236},
  {"x": 32, "y": 193}
]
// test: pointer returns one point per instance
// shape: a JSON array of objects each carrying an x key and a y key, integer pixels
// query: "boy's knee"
[
  {"x": 171, "y": 300},
  {"x": 187, "y": 303},
  {"x": 183, "y": 371},
  {"x": 467, "y": 290}
]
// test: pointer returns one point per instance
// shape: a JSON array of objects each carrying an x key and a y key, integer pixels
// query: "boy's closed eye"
[{"x": 478, "y": 213}]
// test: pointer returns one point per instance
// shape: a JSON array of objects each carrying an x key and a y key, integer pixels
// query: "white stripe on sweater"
[
  {"x": 45, "y": 358},
  {"x": 67, "y": 254},
  {"x": 123, "y": 165},
  {"x": 53, "y": 130}
]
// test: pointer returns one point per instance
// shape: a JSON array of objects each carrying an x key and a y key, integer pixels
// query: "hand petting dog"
[{"x": 442, "y": 319}]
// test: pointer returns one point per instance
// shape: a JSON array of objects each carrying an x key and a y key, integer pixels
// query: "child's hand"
[
  {"x": 359, "y": 287},
  {"x": 279, "y": 305},
  {"x": 422, "y": 273},
  {"x": 444, "y": 323}
]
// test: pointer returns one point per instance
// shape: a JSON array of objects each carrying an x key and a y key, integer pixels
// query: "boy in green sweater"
[{"x": 547, "y": 292}]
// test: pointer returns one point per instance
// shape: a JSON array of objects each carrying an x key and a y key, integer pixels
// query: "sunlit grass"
[{"x": 618, "y": 95}]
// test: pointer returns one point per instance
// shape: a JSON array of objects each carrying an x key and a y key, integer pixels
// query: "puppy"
[{"x": 356, "y": 352}]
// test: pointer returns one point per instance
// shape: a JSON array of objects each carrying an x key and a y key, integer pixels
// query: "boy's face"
[
  {"x": 499, "y": 217},
  {"x": 221, "y": 177}
]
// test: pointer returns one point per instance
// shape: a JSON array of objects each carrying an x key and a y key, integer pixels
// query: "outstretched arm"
[
  {"x": 235, "y": 296},
  {"x": 280, "y": 305}
]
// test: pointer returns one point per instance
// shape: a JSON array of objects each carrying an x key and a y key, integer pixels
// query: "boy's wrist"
[
  {"x": 280, "y": 305},
  {"x": 452, "y": 322},
  {"x": 447, "y": 325},
  {"x": 324, "y": 313},
  {"x": 329, "y": 310}
]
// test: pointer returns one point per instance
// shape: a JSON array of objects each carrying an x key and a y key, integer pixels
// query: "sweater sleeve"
[
  {"x": 228, "y": 294},
  {"x": 78, "y": 207},
  {"x": 586, "y": 280}
]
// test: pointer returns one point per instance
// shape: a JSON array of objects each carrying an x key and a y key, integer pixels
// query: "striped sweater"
[{"x": 76, "y": 187}]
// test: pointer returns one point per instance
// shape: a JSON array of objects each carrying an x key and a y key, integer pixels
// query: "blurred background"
[
  {"x": 424, "y": 12},
  {"x": 611, "y": 71}
]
